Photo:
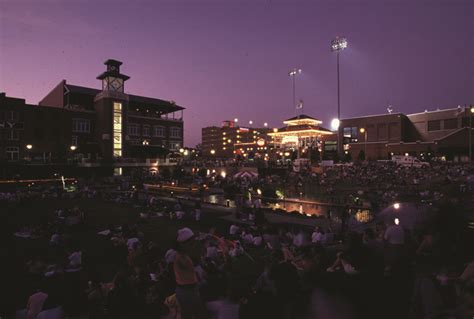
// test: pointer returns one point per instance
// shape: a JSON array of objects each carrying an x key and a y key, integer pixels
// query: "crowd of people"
[{"x": 213, "y": 268}]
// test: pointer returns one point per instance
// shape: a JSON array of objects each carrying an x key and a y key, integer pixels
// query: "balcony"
[{"x": 150, "y": 114}]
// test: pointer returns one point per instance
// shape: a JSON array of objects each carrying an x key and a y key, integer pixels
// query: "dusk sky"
[{"x": 225, "y": 59}]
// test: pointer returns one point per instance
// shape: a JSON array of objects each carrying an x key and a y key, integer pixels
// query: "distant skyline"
[{"x": 226, "y": 59}]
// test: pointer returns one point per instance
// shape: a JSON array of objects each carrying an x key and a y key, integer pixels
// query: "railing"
[
  {"x": 129, "y": 162},
  {"x": 153, "y": 115}
]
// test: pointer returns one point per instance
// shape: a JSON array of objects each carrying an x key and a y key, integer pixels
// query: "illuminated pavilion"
[{"x": 301, "y": 132}]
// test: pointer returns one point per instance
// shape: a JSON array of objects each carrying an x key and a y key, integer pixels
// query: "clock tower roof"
[{"x": 113, "y": 70}]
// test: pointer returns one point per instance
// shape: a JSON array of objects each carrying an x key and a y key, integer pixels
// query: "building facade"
[
  {"x": 440, "y": 133},
  {"x": 230, "y": 140},
  {"x": 103, "y": 126}
]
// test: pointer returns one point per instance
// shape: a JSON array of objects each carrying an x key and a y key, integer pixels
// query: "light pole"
[
  {"x": 337, "y": 45},
  {"x": 470, "y": 132},
  {"x": 364, "y": 131},
  {"x": 29, "y": 147},
  {"x": 293, "y": 73}
]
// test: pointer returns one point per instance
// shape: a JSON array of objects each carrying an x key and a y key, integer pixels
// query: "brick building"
[
  {"x": 430, "y": 133},
  {"x": 101, "y": 126},
  {"x": 230, "y": 140}
]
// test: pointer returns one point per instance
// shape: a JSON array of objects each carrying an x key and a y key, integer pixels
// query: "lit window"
[
  {"x": 174, "y": 146},
  {"x": 117, "y": 132}
]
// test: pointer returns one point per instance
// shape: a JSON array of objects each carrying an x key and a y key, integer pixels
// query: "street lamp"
[
  {"x": 250, "y": 122},
  {"x": 337, "y": 45},
  {"x": 213, "y": 152},
  {"x": 29, "y": 146},
  {"x": 73, "y": 147},
  {"x": 335, "y": 124},
  {"x": 265, "y": 124},
  {"x": 236, "y": 120},
  {"x": 364, "y": 131},
  {"x": 293, "y": 73}
]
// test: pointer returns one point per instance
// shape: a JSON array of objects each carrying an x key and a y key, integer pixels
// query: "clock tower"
[
  {"x": 111, "y": 111},
  {"x": 112, "y": 79}
]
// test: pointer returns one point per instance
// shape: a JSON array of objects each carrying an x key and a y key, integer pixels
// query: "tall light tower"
[
  {"x": 293, "y": 73},
  {"x": 337, "y": 45},
  {"x": 471, "y": 111}
]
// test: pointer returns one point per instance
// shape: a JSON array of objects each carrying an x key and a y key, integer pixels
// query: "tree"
[{"x": 347, "y": 157}]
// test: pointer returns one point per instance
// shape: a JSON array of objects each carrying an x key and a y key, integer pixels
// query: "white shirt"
[
  {"x": 257, "y": 240},
  {"x": 248, "y": 238},
  {"x": 395, "y": 235},
  {"x": 179, "y": 214},
  {"x": 131, "y": 242},
  {"x": 75, "y": 259},
  {"x": 316, "y": 237},
  {"x": 299, "y": 240},
  {"x": 233, "y": 230}
]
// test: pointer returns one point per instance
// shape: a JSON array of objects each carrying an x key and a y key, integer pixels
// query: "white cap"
[
  {"x": 170, "y": 256},
  {"x": 184, "y": 234}
]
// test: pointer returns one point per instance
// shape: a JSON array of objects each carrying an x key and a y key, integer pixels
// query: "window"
[
  {"x": 174, "y": 146},
  {"x": 81, "y": 125},
  {"x": 133, "y": 129},
  {"x": 12, "y": 153},
  {"x": 330, "y": 146},
  {"x": 350, "y": 134},
  {"x": 74, "y": 140},
  {"x": 434, "y": 125},
  {"x": 175, "y": 132},
  {"x": 158, "y": 131},
  {"x": 146, "y": 130},
  {"x": 450, "y": 124},
  {"x": 117, "y": 132},
  {"x": 11, "y": 116},
  {"x": 13, "y": 135}
]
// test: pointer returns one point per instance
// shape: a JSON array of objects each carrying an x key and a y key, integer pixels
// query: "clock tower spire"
[{"x": 112, "y": 79}]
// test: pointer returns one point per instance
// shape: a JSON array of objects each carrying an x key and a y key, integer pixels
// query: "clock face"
[{"x": 116, "y": 85}]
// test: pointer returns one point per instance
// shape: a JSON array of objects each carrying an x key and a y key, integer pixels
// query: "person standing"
[
  {"x": 187, "y": 291},
  {"x": 197, "y": 211}
]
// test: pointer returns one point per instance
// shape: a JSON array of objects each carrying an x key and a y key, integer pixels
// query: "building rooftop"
[{"x": 167, "y": 105}]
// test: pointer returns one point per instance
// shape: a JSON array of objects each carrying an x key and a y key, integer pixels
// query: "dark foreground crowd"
[{"x": 246, "y": 271}]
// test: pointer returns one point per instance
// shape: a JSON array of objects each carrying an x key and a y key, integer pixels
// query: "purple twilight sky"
[{"x": 223, "y": 58}]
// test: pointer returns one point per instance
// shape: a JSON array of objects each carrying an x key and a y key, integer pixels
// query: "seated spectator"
[
  {"x": 35, "y": 303},
  {"x": 317, "y": 236}
]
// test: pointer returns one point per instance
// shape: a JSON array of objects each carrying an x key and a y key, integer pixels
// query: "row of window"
[
  {"x": 155, "y": 130},
  {"x": 133, "y": 129},
  {"x": 12, "y": 135},
  {"x": 449, "y": 124},
  {"x": 172, "y": 145},
  {"x": 11, "y": 116}
]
